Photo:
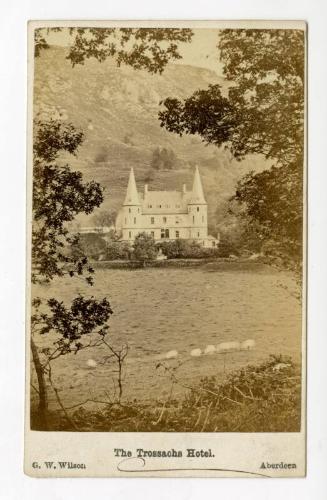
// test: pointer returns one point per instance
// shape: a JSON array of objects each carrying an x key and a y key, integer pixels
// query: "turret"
[
  {"x": 131, "y": 211},
  {"x": 197, "y": 191},
  {"x": 197, "y": 209},
  {"x": 132, "y": 197}
]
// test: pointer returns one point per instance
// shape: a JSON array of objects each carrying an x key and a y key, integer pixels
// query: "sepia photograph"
[{"x": 167, "y": 239}]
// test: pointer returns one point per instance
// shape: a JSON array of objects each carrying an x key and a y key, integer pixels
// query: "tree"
[
  {"x": 105, "y": 218},
  {"x": 163, "y": 159},
  {"x": 263, "y": 114},
  {"x": 82, "y": 325},
  {"x": 92, "y": 245},
  {"x": 272, "y": 203},
  {"x": 59, "y": 194},
  {"x": 266, "y": 68},
  {"x": 144, "y": 248},
  {"x": 141, "y": 48}
]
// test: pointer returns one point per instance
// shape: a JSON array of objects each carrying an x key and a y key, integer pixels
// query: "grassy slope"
[{"x": 117, "y": 109}]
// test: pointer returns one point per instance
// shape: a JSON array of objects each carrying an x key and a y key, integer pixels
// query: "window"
[
  {"x": 198, "y": 234},
  {"x": 152, "y": 220},
  {"x": 149, "y": 206},
  {"x": 158, "y": 206},
  {"x": 202, "y": 218},
  {"x": 177, "y": 220},
  {"x": 167, "y": 233},
  {"x": 197, "y": 209},
  {"x": 130, "y": 234},
  {"x": 193, "y": 219},
  {"x": 177, "y": 234},
  {"x": 134, "y": 220},
  {"x": 129, "y": 210},
  {"x": 152, "y": 234},
  {"x": 164, "y": 219},
  {"x": 162, "y": 235},
  {"x": 138, "y": 210}
]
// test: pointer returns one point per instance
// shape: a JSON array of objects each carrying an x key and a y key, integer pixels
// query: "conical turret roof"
[
  {"x": 132, "y": 197},
  {"x": 197, "y": 195}
]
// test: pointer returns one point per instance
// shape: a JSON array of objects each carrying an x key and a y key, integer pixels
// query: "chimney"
[{"x": 145, "y": 189}]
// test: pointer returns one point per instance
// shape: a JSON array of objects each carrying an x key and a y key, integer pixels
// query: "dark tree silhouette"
[
  {"x": 263, "y": 113},
  {"x": 59, "y": 194},
  {"x": 141, "y": 48}
]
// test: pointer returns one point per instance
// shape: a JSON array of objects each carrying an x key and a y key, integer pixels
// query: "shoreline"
[{"x": 215, "y": 264}]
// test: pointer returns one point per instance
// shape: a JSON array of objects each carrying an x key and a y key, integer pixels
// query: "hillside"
[{"x": 117, "y": 109}]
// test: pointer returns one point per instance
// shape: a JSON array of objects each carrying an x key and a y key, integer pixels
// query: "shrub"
[
  {"x": 144, "y": 248},
  {"x": 259, "y": 398},
  {"x": 92, "y": 244},
  {"x": 118, "y": 250},
  {"x": 186, "y": 249}
]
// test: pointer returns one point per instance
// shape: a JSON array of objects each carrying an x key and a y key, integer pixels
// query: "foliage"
[
  {"x": 206, "y": 113},
  {"x": 259, "y": 398},
  {"x": 141, "y": 48},
  {"x": 59, "y": 194},
  {"x": 163, "y": 159},
  {"x": 267, "y": 71},
  {"x": 272, "y": 203},
  {"x": 186, "y": 249},
  {"x": 105, "y": 218},
  {"x": 227, "y": 247},
  {"x": 118, "y": 250},
  {"x": 90, "y": 244},
  {"x": 144, "y": 248},
  {"x": 264, "y": 114},
  {"x": 71, "y": 324}
]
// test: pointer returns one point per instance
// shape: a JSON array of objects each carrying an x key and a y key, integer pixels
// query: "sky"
[{"x": 201, "y": 52}]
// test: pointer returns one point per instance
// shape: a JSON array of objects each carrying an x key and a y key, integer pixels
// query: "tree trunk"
[{"x": 43, "y": 397}]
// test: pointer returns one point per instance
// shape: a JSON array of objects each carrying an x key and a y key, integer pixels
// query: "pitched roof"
[
  {"x": 197, "y": 191},
  {"x": 170, "y": 202},
  {"x": 132, "y": 197}
]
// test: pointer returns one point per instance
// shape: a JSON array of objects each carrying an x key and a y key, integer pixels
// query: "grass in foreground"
[{"x": 262, "y": 398}]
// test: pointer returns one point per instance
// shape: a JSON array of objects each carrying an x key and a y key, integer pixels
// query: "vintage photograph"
[{"x": 168, "y": 235}]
